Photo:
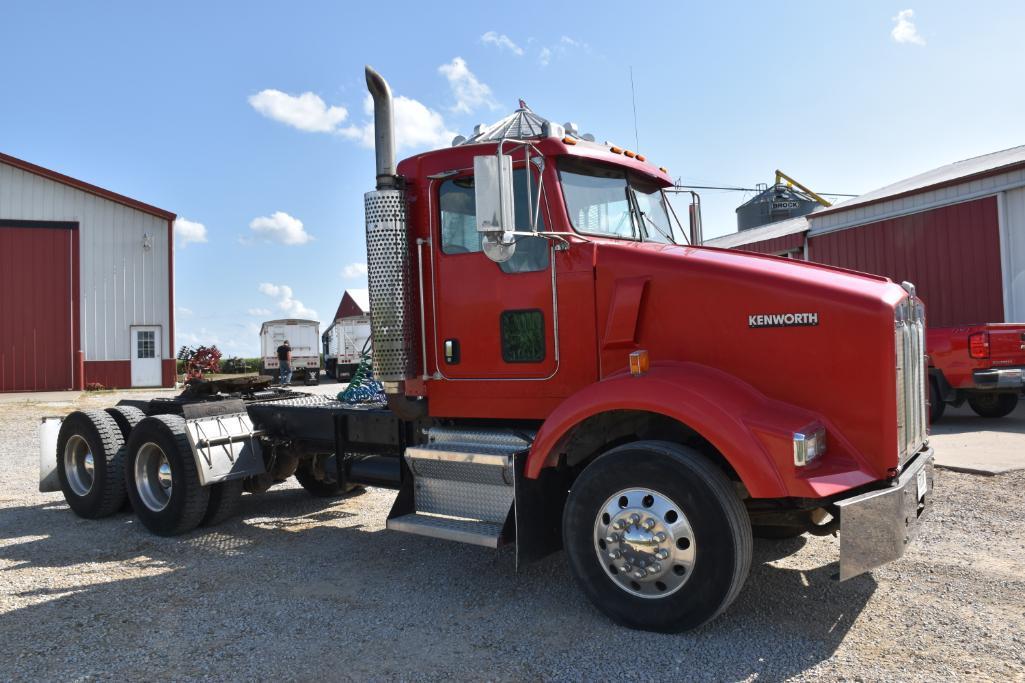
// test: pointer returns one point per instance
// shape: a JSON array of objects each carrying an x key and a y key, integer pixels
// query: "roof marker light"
[
  {"x": 569, "y": 141},
  {"x": 616, "y": 150},
  {"x": 664, "y": 169},
  {"x": 641, "y": 157},
  {"x": 629, "y": 153}
]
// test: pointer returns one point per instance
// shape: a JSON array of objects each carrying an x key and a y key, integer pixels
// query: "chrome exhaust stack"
[{"x": 388, "y": 266}]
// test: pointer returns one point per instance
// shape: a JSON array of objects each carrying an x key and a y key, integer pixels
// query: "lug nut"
[
  {"x": 662, "y": 554},
  {"x": 635, "y": 518},
  {"x": 655, "y": 568},
  {"x": 615, "y": 555},
  {"x": 649, "y": 523},
  {"x": 660, "y": 537},
  {"x": 612, "y": 538},
  {"x": 619, "y": 524},
  {"x": 639, "y": 574},
  {"x": 627, "y": 567}
]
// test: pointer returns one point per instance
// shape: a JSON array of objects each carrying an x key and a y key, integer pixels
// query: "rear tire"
[
  {"x": 161, "y": 477},
  {"x": 681, "y": 501},
  {"x": 327, "y": 485},
  {"x": 90, "y": 463},
  {"x": 937, "y": 406},
  {"x": 992, "y": 405},
  {"x": 126, "y": 418},
  {"x": 224, "y": 499}
]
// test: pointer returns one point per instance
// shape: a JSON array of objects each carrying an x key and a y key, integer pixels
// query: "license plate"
[{"x": 923, "y": 484}]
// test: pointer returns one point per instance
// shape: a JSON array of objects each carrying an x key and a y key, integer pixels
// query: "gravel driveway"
[{"x": 300, "y": 588}]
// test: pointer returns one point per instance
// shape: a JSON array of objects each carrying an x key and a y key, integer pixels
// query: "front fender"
[{"x": 753, "y": 432}]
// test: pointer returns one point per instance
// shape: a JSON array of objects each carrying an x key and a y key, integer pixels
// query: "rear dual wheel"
[
  {"x": 163, "y": 483},
  {"x": 656, "y": 536},
  {"x": 90, "y": 463}
]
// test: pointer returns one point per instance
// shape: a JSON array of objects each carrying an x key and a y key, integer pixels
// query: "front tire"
[
  {"x": 656, "y": 536},
  {"x": 161, "y": 477},
  {"x": 937, "y": 406},
  {"x": 90, "y": 463},
  {"x": 993, "y": 405}
]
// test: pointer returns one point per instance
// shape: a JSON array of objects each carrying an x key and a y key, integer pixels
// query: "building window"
[
  {"x": 459, "y": 223},
  {"x": 523, "y": 336},
  {"x": 147, "y": 344}
]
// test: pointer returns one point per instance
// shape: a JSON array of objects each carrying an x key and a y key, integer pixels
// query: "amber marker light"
[
  {"x": 641, "y": 157},
  {"x": 629, "y": 154},
  {"x": 664, "y": 169},
  {"x": 639, "y": 363},
  {"x": 569, "y": 141},
  {"x": 616, "y": 150}
]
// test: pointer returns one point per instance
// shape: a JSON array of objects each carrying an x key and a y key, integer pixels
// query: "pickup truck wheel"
[
  {"x": 317, "y": 476},
  {"x": 90, "y": 463},
  {"x": 161, "y": 477},
  {"x": 936, "y": 404},
  {"x": 991, "y": 404},
  {"x": 656, "y": 536}
]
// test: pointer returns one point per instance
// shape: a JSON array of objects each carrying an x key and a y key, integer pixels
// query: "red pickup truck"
[{"x": 981, "y": 364}]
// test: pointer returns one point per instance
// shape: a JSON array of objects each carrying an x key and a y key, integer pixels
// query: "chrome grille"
[
  {"x": 909, "y": 341},
  {"x": 388, "y": 281}
]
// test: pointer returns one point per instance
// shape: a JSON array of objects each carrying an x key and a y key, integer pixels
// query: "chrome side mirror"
[{"x": 493, "y": 192}]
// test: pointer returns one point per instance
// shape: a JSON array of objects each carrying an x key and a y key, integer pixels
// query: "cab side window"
[{"x": 459, "y": 223}]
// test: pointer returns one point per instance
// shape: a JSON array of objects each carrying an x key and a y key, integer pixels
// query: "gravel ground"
[{"x": 299, "y": 588}]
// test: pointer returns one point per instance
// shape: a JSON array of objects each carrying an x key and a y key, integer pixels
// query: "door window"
[
  {"x": 146, "y": 344},
  {"x": 459, "y": 223}
]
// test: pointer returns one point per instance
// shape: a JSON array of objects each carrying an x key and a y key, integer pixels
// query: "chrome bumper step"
[{"x": 474, "y": 532}]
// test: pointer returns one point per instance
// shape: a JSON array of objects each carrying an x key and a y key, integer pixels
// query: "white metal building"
[{"x": 86, "y": 284}]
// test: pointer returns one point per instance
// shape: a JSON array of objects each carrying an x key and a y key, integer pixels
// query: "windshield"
[{"x": 605, "y": 200}]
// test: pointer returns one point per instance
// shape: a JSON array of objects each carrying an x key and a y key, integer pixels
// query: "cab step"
[{"x": 461, "y": 485}]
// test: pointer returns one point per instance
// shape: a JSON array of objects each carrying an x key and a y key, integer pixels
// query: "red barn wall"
[{"x": 951, "y": 254}]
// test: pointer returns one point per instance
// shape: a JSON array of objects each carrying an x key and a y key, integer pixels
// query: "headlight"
[{"x": 808, "y": 445}]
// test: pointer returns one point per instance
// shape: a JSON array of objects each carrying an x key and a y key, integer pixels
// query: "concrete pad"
[{"x": 965, "y": 442}]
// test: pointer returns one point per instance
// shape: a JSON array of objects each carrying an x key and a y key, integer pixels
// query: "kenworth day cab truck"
[{"x": 563, "y": 370}]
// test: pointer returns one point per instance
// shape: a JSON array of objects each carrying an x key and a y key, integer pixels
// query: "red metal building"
[
  {"x": 86, "y": 284},
  {"x": 957, "y": 232}
]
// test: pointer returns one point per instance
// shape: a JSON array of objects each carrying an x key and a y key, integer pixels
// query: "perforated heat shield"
[{"x": 388, "y": 278}]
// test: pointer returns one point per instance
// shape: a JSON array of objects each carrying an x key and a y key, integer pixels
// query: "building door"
[
  {"x": 1013, "y": 229},
  {"x": 38, "y": 296},
  {"x": 146, "y": 354}
]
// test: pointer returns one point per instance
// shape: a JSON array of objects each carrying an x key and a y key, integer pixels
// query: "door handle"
[{"x": 452, "y": 351}]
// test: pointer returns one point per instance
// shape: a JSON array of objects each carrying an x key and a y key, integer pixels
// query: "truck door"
[{"x": 493, "y": 320}]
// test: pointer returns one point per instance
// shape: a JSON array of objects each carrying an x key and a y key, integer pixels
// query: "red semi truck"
[
  {"x": 563, "y": 370},
  {"x": 981, "y": 364}
]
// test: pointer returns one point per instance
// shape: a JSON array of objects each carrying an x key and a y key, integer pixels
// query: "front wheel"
[
  {"x": 991, "y": 404},
  {"x": 656, "y": 536}
]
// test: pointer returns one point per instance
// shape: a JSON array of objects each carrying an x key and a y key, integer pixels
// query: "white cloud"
[
  {"x": 415, "y": 125},
  {"x": 306, "y": 112},
  {"x": 183, "y": 312},
  {"x": 905, "y": 31},
  {"x": 187, "y": 232},
  {"x": 502, "y": 42},
  {"x": 544, "y": 57},
  {"x": 286, "y": 302},
  {"x": 559, "y": 49},
  {"x": 354, "y": 270},
  {"x": 260, "y": 312},
  {"x": 566, "y": 40},
  {"x": 280, "y": 227},
  {"x": 469, "y": 92}
]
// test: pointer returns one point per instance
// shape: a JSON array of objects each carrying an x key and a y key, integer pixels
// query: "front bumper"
[
  {"x": 1000, "y": 378},
  {"x": 876, "y": 527}
]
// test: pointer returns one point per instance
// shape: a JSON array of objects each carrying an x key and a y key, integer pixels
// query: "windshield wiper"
[{"x": 657, "y": 228}]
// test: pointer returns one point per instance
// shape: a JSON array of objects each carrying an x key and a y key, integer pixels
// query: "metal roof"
[
  {"x": 85, "y": 187},
  {"x": 790, "y": 226},
  {"x": 361, "y": 297},
  {"x": 984, "y": 165}
]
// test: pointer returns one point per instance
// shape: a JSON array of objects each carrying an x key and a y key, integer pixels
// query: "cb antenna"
[{"x": 633, "y": 99}]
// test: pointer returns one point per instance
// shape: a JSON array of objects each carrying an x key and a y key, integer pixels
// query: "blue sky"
[{"x": 202, "y": 109}]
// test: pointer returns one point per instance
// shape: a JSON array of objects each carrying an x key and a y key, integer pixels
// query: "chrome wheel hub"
[
  {"x": 644, "y": 542},
  {"x": 79, "y": 465},
  {"x": 152, "y": 474}
]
